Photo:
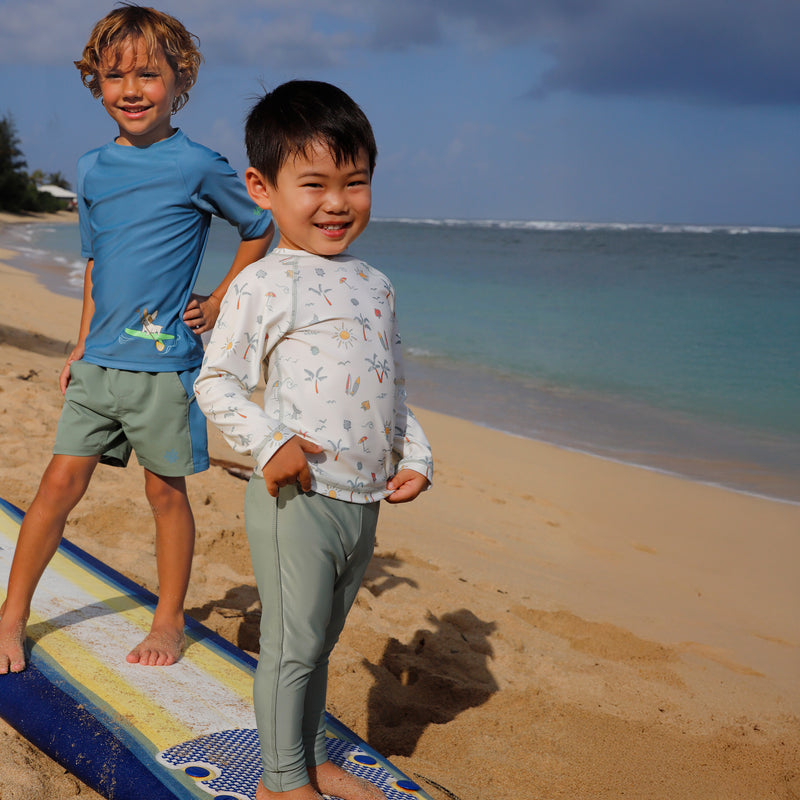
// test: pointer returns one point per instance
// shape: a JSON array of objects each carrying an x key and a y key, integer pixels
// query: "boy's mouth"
[{"x": 333, "y": 227}]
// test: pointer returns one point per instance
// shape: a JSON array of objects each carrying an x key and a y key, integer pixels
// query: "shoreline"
[
  {"x": 667, "y": 473},
  {"x": 716, "y": 466},
  {"x": 601, "y": 630},
  {"x": 612, "y": 430}
]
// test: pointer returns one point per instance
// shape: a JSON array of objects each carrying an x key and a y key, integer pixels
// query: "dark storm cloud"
[{"x": 711, "y": 50}]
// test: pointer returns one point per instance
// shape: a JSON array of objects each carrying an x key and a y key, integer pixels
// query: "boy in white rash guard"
[
  {"x": 334, "y": 436},
  {"x": 145, "y": 202}
]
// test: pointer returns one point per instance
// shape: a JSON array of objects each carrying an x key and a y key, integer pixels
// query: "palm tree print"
[
  {"x": 316, "y": 377},
  {"x": 381, "y": 367},
  {"x": 337, "y": 448},
  {"x": 251, "y": 338},
  {"x": 363, "y": 321},
  {"x": 321, "y": 292},
  {"x": 240, "y": 292}
]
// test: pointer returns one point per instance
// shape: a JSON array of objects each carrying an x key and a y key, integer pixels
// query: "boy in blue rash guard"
[
  {"x": 145, "y": 202},
  {"x": 334, "y": 436}
]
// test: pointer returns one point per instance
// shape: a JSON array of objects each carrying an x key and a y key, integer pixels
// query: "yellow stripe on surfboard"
[
  {"x": 8, "y": 526},
  {"x": 153, "y": 721},
  {"x": 212, "y": 662}
]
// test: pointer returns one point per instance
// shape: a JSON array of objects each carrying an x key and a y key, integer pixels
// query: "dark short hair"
[{"x": 292, "y": 118}]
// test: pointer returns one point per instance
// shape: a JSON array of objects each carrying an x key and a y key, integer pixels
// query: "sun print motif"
[{"x": 343, "y": 337}]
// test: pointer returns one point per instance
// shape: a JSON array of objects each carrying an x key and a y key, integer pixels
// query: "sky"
[{"x": 684, "y": 112}]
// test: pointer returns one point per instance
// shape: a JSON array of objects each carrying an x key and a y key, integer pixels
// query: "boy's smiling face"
[
  {"x": 318, "y": 206},
  {"x": 138, "y": 93}
]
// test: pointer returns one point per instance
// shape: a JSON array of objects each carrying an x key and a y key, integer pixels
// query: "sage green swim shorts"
[{"x": 111, "y": 412}]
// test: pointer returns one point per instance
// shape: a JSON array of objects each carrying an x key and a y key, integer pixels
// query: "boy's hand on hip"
[
  {"x": 289, "y": 465},
  {"x": 201, "y": 313},
  {"x": 406, "y": 485},
  {"x": 66, "y": 374}
]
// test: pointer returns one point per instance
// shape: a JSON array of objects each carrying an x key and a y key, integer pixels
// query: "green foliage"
[
  {"x": 18, "y": 190},
  {"x": 58, "y": 179},
  {"x": 52, "y": 178}
]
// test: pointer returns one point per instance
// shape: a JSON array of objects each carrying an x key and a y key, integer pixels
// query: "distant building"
[{"x": 62, "y": 194}]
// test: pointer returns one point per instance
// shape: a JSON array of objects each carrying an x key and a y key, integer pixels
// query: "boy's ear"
[{"x": 257, "y": 188}]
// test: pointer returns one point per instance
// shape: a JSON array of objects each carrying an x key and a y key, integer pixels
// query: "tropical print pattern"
[{"x": 323, "y": 332}]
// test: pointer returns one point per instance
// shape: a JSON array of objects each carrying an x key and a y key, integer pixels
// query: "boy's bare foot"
[
  {"x": 12, "y": 647},
  {"x": 303, "y": 793},
  {"x": 327, "y": 778},
  {"x": 159, "y": 648}
]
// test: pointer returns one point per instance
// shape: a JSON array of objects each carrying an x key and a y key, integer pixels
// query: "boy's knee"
[
  {"x": 65, "y": 481},
  {"x": 165, "y": 493}
]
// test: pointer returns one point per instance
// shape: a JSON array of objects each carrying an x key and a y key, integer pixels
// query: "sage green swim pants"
[{"x": 309, "y": 556}]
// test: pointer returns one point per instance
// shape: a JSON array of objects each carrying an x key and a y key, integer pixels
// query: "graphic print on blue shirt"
[{"x": 149, "y": 330}]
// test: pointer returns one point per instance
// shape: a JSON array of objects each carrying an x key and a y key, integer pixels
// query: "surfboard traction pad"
[
  {"x": 223, "y": 765},
  {"x": 236, "y": 775}
]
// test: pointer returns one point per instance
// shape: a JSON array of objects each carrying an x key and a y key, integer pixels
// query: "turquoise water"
[{"x": 672, "y": 347}]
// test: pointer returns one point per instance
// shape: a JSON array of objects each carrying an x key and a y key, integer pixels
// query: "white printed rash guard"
[{"x": 325, "y": 331}]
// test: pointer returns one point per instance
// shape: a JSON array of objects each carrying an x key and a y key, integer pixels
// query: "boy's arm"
[
  {"x": 232, "y": 368},
  {"x": 202, "y": 311},
  {"x": 87, "y": 312},
  {"x": 415, "y": 466}
]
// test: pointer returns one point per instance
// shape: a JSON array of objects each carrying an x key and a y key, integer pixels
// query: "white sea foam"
[
  {"x": 421, "y": 352},
  {"x": 553, "y": 225}
]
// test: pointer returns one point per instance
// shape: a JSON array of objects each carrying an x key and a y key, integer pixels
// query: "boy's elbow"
[{"x": 265, "y": 237}]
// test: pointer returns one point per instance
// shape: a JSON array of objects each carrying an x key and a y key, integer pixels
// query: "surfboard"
[{"x": 129, "y": 732}]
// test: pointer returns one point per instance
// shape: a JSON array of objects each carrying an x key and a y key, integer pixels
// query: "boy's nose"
[
  {"x": 335, "y": 201},
  {"x": 130, "y": 86}
]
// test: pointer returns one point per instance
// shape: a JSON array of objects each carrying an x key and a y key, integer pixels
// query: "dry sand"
[{"x": 541, "y": 624}]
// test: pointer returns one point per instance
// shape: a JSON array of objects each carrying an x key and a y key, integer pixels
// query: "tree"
[
  {"x": 41, "y": 178},
  {"x": 18, "y": 190},
  {"x": 15, "y": 186},
  {"x": 58, "y": 179}
]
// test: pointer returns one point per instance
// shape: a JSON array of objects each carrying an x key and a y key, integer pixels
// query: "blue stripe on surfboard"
[
  {"x": 79, "y": 741},
  {"x": 12, "y": 510},
  {"x": 140, "y": 753}
]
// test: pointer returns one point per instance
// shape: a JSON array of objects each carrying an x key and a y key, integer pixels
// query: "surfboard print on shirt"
[{"x": 150, "y": 330}]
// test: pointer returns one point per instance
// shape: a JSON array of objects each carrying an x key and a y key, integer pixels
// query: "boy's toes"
[
  {"x": 12, "y": 652},
  {"x": 157, "y": 650},
  {"x": 12, "y": 664},
  {"x": 329, "y": 779}
]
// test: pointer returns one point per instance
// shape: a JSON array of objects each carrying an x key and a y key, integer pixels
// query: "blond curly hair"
[{"x": 157, "y": 30}]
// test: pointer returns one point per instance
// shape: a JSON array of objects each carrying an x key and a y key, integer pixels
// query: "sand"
[{"x": 541, "y": 624}]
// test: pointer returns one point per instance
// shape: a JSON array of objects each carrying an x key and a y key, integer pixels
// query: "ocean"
[{"x": 676, "y": 348}]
